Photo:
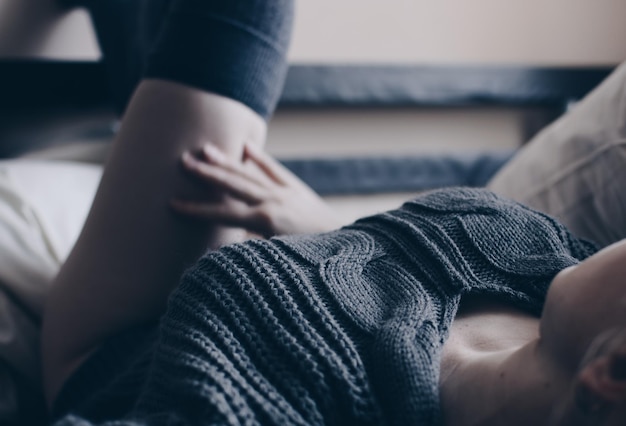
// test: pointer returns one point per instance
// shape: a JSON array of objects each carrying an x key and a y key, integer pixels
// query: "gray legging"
[{"x": 232, "y": 48}]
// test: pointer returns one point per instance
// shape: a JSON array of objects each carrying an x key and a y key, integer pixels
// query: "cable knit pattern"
[{"x": 345, "y": 327}]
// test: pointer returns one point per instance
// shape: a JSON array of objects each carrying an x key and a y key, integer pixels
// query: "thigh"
[
  {"x": 127, "y": 31},
  {"x": 216, "y": 71}
]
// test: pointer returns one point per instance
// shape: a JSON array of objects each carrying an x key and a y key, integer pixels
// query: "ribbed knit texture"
[{"x": 342, "y": 328}]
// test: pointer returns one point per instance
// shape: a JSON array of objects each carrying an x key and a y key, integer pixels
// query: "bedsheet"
[{"x": 42, "y": 207}]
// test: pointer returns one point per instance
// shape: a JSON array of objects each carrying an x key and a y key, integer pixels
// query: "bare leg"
[{"x": 133, "y": 248}]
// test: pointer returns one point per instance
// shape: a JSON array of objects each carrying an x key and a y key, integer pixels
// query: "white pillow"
[
  {"x": 43, "y": 205},
  {"x": 575, "y": 169}
]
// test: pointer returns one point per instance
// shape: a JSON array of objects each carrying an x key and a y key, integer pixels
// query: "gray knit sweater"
[{"x": 343, "y": 328}]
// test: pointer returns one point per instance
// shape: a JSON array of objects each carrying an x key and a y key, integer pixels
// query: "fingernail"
[
  {"x": 252, "y": 146},
  {"x": 188, "y": 158},
  {"x": 212, "y": 153}
]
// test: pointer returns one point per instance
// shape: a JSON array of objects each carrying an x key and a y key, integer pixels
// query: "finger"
[
  {"x": 256, "y": 175},
  {"x": 228, "y": 213},
  {"x": 212, "y": 154},
  {"x": 224, "y": 212},
  {"x": 270, "y": 166},
  {"x": 231, "y": 181}
]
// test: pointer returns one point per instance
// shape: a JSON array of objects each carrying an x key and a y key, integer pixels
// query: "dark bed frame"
[
  {"x": 37, "y": 83},
  {"x": 39, "y": 87}
]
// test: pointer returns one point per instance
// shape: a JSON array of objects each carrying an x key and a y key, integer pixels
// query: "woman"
[
  {"x": 454, "y": 308},
  {"x": 348, "y": 327}
]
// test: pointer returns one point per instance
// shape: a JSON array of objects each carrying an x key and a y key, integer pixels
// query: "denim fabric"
[{"x": 234, "y": 48}]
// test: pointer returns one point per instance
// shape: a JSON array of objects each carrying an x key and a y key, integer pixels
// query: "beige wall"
[
  {"x": 416, "y": 31},
  {"x": 397, "y": 132},
  {"x": 444, "y": 31}
]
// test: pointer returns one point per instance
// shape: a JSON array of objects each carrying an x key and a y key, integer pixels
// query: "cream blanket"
[{"x": 43, "y": 205}]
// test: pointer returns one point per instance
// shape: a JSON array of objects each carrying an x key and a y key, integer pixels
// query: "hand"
[{"x": 260, "y": 195}]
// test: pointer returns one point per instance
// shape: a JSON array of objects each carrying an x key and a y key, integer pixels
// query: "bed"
[{"x": 48, "y": 176}]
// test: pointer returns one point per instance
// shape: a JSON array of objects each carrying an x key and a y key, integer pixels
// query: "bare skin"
[
  {"x": 500, "y": 365},
  {"x": 504, "y": 366},
  {"x": 169, "y": 163},
  {"x": 489, "y": 344},
  {"x": 133, "y": 248},
  {"x": 260, "y": 195},
  {"x": 598, "y": 393}
]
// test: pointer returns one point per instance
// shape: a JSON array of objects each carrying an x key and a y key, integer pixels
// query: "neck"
[{"x": 515, "y": 386}]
